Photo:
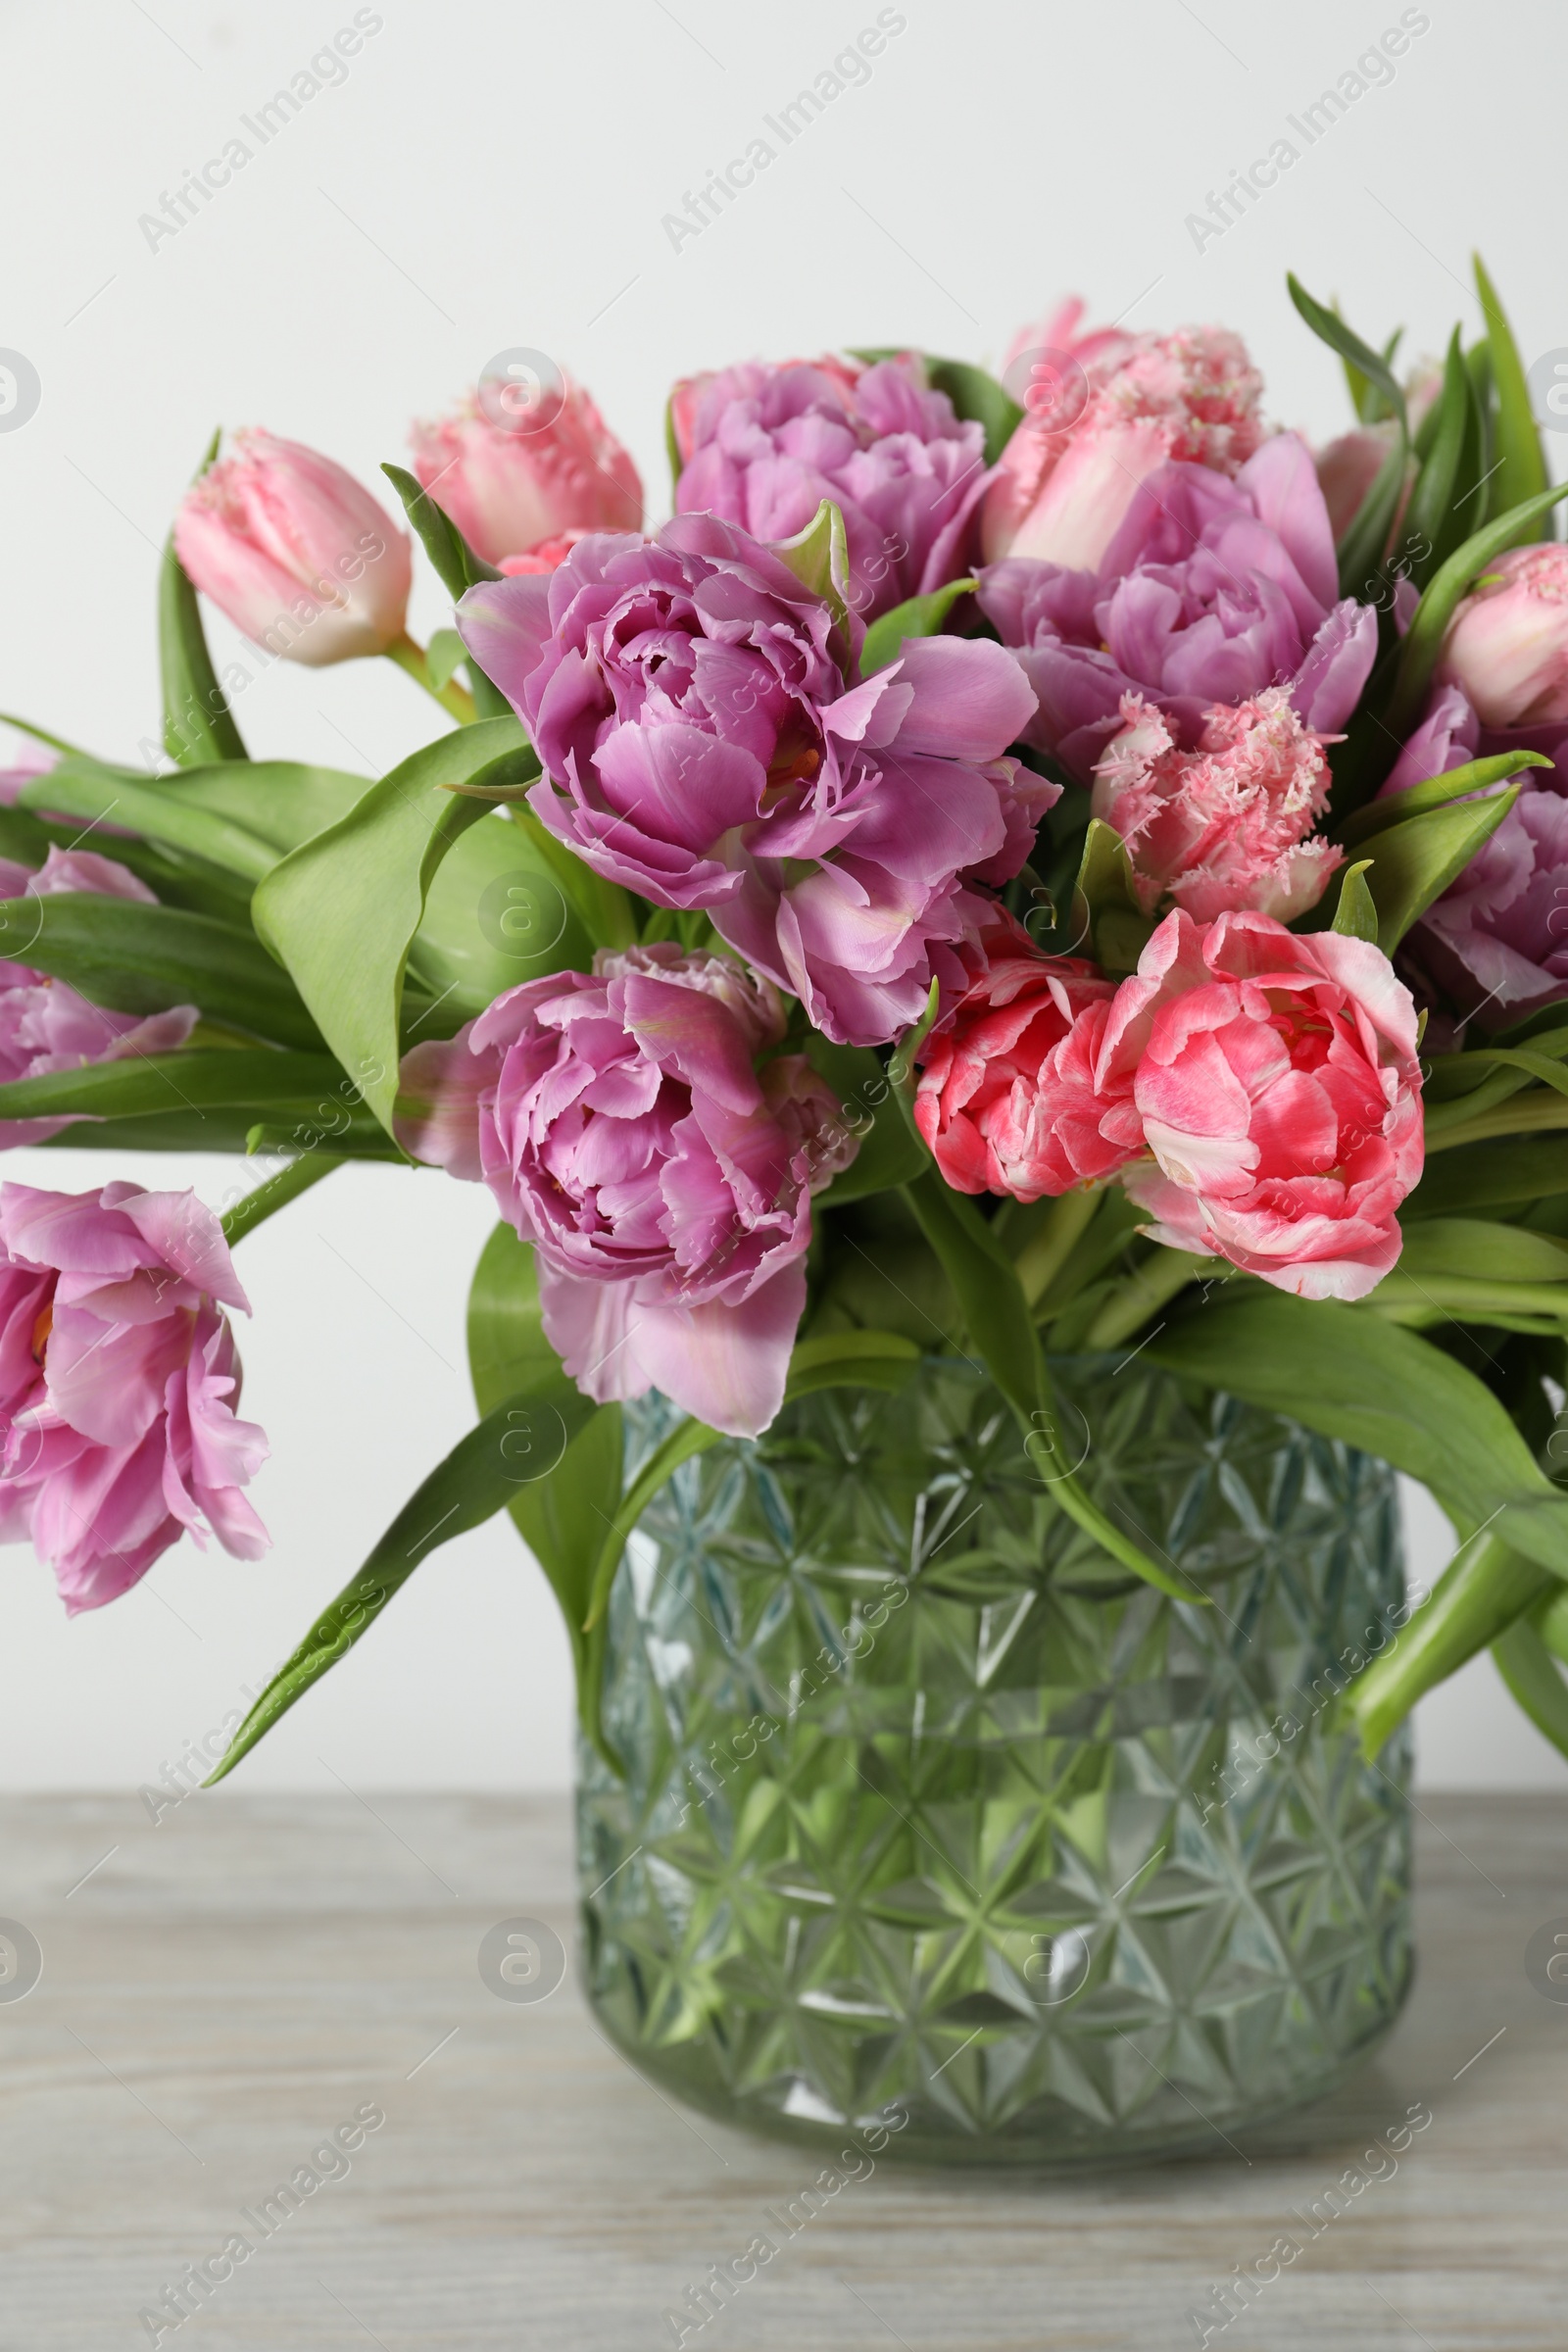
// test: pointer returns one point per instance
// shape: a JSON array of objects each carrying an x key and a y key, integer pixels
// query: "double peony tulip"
[
  {"x": 118, "y": 1379},
  {"x": 705, "y": 742},
  {"x": 296, "y": 552},
  {"x": 1256, "y": 1089},
  {"x": 763, "y": 446},
  {"x": 663, "y": 1181},
  {"x": 527, "y": 488},
  {"x": 1210, "y": 591}
]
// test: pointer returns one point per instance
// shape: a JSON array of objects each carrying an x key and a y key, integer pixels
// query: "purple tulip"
[
  {"x": 119, "y": 1380},
  {"x": 763, "y": 446},
  {"x": 664, "y": 1183},
  {"x": 45, "y": 1025},
  {"x": 1495, "y": 944},
  {"x": 1211, "y": 591},
  {"x": 705, "y": 742}
]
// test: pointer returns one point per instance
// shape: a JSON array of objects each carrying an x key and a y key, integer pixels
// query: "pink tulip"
[
  {"x": 1069, "y": 474},
  {"x": 663, "y": 1182},
  {"x": 1007, "y": 1098},
  {"x": 1507, "y": 644},
  {"x": 1347, "y": 468},
  {"x": 509, "y": 489},
  {"x": 118, "y": 1383},
  {"x": 296, "y": 552},
  {"x": 1229, "y": 825},
  {"x": 1276, "y": 1078},
  {"x": 46, "y": 1025}
]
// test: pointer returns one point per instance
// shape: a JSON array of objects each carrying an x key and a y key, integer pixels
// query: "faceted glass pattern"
[{"x": 934, "y": 1812}]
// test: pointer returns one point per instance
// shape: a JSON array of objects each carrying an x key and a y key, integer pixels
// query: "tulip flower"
[
  {"x": 511, "y": 484},
  {"x": 1507, "y": 644},
  {"x": 118, "y": 1385},
  {"x": 1068, "y": 477},
  {"x": 296, "y": 552}
]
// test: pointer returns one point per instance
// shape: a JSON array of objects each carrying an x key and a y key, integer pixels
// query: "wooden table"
[{"x": 223, "y": 1990}]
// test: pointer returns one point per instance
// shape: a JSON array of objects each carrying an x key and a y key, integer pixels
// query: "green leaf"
[
  {"x": 340, "y": 912},
  {"x": 850, "y": 1359},
  {"x": 1106, "y": 916},
  {"x": 1412, "y": 864},
  {"x": 1341, "y": 1371},
  {"x": 143, "y": 959},
  {"x": 1483, "y": 1590},
  {"x": 1002, "y": 1328},
  {"x": 561, "y": 1518},
  {"x": 1435, "y": 791},
  {"x": 442, "y": 656},
  {"x": 916, "y": 617},
  {"x": 1534, "y": 1678},
  {"x": 1480, "y": 1248},
  {"x": 197, "y": 721},
  {"x": 1491, "y": 1175},
  {"x": 281, "y": 802},
  {"x": 1362, "y": 549},
  {"x": 153, "y": 806},
  {"x": 978, "y": 399},
  {"x": 819, "y": 559},
  {"x": 497, "y": 912},
  {"x": 672, "y": 446},
  {"x": 456, "y": 566},
  {"x": 889, "y": 1154},
  {"x": 1430, "y": 517},
  {"x": 478, "y": 1477},
  {"x": 189, "y": 1081},
  {"x": 1356, "y": 916},
  {"x": 1441, "y": 600},
  {"x": 606, "y": 913},
  {"x": 1521, "y": 468},
  {"x": 1330, "y": 330}
]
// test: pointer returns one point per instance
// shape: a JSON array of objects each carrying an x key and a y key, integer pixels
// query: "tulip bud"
[
  {"x": 513, "y": 479},
  {"x": 296, "y": 552},
  {"x": 1507, "y": 644}
]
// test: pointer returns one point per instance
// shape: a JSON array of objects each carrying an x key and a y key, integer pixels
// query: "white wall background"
[{"x": 493, "y": 176}]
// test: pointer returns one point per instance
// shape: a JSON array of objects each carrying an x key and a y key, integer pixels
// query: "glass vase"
[{"x": 938, "y": 1824}]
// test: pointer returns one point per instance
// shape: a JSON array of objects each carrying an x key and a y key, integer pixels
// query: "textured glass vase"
[{"x": 934, "y": 1817}]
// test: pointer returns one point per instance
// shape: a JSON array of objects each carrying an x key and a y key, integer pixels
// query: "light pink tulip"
[
  {"x": 1507, "y": 644},
  {"x": 118, "y": 1385},
  {"x": 509, "y": 490},
  {"x": 1064, "y": 486},
  {"x": 296, "y": 552}
]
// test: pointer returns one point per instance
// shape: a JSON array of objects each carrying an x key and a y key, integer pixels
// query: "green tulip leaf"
[
  {"x": 481, "y": 1474},
  {"x": 198, "y": 724},
  {"x": 918, "y": 616}
]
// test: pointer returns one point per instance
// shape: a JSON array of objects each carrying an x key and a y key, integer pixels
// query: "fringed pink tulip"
[
  {"x": 513, "y": 486},
  {"x": 296, "y": 552}
]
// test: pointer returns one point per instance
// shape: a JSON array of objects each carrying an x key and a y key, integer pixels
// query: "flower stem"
[
  {"x": 296, "y": 1176},
  {"x": 409, "y": 654},
  {"x": 1143, "y": 1293},
  {"x": 1048, "y": 1249}
]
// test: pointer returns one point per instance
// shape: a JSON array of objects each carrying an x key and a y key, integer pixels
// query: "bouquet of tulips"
[{"x": 1019, "y": 867}]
